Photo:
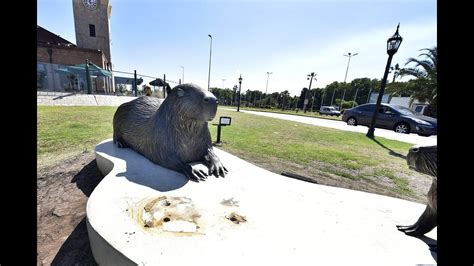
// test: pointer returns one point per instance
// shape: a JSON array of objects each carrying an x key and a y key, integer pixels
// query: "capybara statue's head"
[
  {"x": 423, "y": 159},
  {"x": 193, "y": 102}
]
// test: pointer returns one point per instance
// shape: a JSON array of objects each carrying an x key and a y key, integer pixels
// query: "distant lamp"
[{"x": 240, "y": 87}]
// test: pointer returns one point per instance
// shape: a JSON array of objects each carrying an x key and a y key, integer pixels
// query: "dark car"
[{"x": 394, "y": 117}]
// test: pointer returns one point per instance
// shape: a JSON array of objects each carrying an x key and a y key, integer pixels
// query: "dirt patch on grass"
[{"x": 63, "y": 190}]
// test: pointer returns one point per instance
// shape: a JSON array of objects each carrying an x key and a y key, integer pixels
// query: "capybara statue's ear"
[{"x": 180, "y": 92}]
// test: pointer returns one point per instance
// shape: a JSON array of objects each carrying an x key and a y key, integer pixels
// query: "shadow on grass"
[
  {"x": 390, "y": 151},
  {"x": 76, "y": 249}
]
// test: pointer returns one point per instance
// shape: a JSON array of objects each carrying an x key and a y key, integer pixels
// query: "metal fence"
[
  {"x": 145, "y": 84},
  {"x": 65, "y": 78}
]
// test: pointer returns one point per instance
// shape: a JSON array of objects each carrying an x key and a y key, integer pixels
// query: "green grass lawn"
[
  {"x": 333, "y": 156},
  {"x": 333, "y": 152},
  {"x": 65, "y": 131}
]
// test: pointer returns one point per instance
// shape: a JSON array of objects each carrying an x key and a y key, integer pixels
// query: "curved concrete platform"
[{"x": 144, "y": 214}]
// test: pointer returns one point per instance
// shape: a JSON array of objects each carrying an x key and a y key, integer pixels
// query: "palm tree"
[
  {"x": 396, "y": 71},
  {"x": 424, "y": 87}
]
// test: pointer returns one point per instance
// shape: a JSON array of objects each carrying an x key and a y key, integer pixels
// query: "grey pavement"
[{"x": 341, "y": 125}]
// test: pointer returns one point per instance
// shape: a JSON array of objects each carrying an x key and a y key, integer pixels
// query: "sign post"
[{"x": 223, "y": 121}]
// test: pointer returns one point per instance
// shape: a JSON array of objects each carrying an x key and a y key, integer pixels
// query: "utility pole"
[
  {"x": 210, "y": 53},
  {"x": 183, "y": 74},
  {"x": 347, "y": 69},
  {"x": 268, "y": 75}
]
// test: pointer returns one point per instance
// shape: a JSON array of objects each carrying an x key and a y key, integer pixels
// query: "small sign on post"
[{"x": 223, "y": 121}]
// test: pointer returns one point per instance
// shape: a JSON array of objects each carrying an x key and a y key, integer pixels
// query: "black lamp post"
[
  {"x": 88, "y": 78},
  {"x": 393, "y": 43},
  {"x": 240, "y": 87}
]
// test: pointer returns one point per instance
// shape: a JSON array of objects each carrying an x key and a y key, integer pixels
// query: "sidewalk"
[{"x": 388, "y": 134}]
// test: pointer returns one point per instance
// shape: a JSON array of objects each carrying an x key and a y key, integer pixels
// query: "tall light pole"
[
  {"x": 355, "y": 96},
  {"x": 88, "y": 78},
  {"x": 223, "y": 83},
  {"x": 347, "y": 69},
  {"x": 183, "y": 73},
  {"x": 310, "y": 77},
  {"x": 333, "y": 93},
  {"x": 210, "y": 53},
  {"x": 240, "y": 87},
  {"x": 393, "y": 43},
  {"x": 322, "y": 99},
  {"x": 268, "y": 75}
]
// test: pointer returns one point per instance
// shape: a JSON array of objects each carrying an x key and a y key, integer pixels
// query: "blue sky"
[{"x": 289, "y": 38}]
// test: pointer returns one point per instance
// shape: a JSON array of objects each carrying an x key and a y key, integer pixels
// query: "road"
[{"x": 388, "y": 134}]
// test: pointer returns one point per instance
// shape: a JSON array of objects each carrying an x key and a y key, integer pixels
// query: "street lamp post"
[
  {"x": 393, "y": 43},
  {"x": 240, "y": 87},
  {"x": 333, "y": 93},
  {"x": 370, "y": 92},
  {"x": 347, "y": 69},
  {"x": 223, "y": 80},
  {"x": 268, "y": 75},
  {"x": 266, "y": 87},
  {"x": 183, "y": 73},
  {"x": 355, "y": 96},
  {"x": 322, "y": 99},
  {"x": 310, "y": 77},
  {"x": 210, "y": 53},
  {"x": 88, "y": 78}
]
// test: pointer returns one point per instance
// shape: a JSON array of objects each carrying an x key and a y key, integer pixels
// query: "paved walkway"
[{"x": 389, "y": 134}]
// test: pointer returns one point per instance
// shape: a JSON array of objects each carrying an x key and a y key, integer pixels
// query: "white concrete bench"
[{"x": 251, "y": 217}]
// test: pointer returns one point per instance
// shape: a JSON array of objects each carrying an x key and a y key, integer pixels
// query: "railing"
[{"x": 70, "y": 79}]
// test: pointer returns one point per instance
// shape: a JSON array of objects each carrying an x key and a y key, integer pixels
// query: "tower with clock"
[{"x": 92, "y": 25}]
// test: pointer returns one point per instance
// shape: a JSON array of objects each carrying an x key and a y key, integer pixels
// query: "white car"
[{"x": 329, "y": 110}]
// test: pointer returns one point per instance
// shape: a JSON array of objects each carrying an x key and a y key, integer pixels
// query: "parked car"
[
  {"x": 395, "y": 117},
  {"x": 329, "y": 110}
]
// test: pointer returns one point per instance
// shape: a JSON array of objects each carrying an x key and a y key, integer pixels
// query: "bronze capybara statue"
[
  {"x": 172, "y": 133},
  {"x": 423, "y": 159}
]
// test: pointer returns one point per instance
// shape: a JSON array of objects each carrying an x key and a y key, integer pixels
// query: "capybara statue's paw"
[
  {"x": 193, "y": 174},
  {"x": 217, "y": 169}
]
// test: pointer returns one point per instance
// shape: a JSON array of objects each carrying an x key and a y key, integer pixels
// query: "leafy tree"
[
  {"x": 363, "y": 86},
  {"x": 396, "y": 71},
  {"x": 424, "y": 87},
  {"x": 302, "y": 97},
  {"x": 285, "y": 99},
  {"x": 332, "y": 89}
]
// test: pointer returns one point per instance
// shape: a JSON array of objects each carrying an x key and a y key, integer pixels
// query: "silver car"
[{"x": 329, "y": 110}]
